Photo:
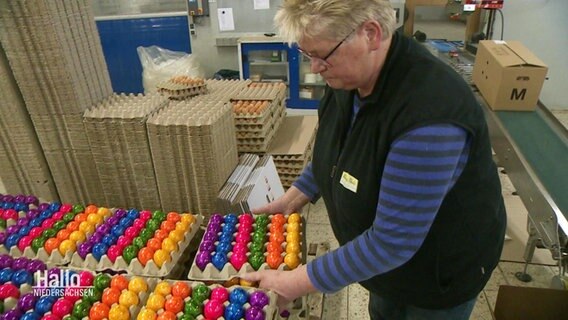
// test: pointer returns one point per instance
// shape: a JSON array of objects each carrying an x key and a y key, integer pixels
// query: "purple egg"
[
  {"x": 254, "y": 313},
  {"x": 32, "y": 200},
  {"x": 32, "y": 213},
  {"x": 20, "y": 198},
  {"x": 120, "y": 213},
  {"x": 216, "y": 218},
  {"x": 26, "y": 302},
  {"x": 53, "y": 272},
  {"x": 2, "y": 237},
  {"x": 22, "y": 222},
  {"x": 8, "y": 198},
  {"x": 112, "y": 220},
  {"x": 20, "y": 263},
  {"x": 259, "y": 299},
  {"x": 84, "y": 249},
  {"x": 5, "y": 261},
  {"x": 210, "y": 236},
  {"x": 36, "y": 265},
  {"x": 202, "y": 259},
  {"x": 207, "y": 246},
  {"x": 12, "y": 229},
  {"x": 12, "y": 315},
  {"x": 43, "y": 206},
  {"x": 96, "y": 237},
  {"x": 103, "y": 228}
]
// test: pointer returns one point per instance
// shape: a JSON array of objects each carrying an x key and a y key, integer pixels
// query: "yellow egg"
[
  {"x": 292, "y": 260},
  {"x": 293, "y": 227},
  {"x": 176, "y": 235},
  {"x": 118, "y": 312},
  {"x": 169, "y": 245},
  {"x": 161, "y": 256},
  {"x": 294, "y": 217},
  {"x": 94, "y": 219},
  {"x": 77, "y": 236},
  {"x": 103, "y": 212},
  {"x": 86, "y": 227},
  {"x": 293, "y": 237},
  {"x": 137, "y": 285},
  {"x": 163, "y": 288},
  {"x": 155, "y": 302},
  {"x": 183, "y": 226},
  {"x": 293, "y": 247},
  {"x": 128, "y": 298},
  {"x": 67, "y": 246},
  {"x": 188, "y": 217}
]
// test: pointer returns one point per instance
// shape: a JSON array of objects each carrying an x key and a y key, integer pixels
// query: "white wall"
[{"x": 542, "y": 26}]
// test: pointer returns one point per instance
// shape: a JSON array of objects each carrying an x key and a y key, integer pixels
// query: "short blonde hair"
[{"x": 331, "y": 19}]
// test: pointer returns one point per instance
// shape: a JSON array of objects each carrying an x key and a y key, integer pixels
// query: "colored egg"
[
  {"x": 99, "y": 311},
  {"x": 138, "y": 242},
  {"x": 110, "y": 296},
  {"x": 117, "y": 231},
  {"x": 43, "y": 305},
  {"x": 22, "y": 276},
  {"x": 259, "y": 236},
  {"x": 181, "y": 289},
  {"x": 294, "y": 217},
  {"x": 256, "y": 259},
  {"x": 238, "y": 296},
  {"x": 257, "y": 246},
  {"x": 131, "y": 232},
  {"x": 118, "y": 312},
  {"x": 276, "y": 228},
  {"x": 51, "y": 244},
  {"x": 145, "y": 215},
  {"x": 274, "y": 247},
  {"x": 276, "y": 237},
  {"x": 101, "y": 281},
  {"x": 24, "y": 242},
  {"x": 238, "y": 260},
  {"x": 292, "y": 237},
  {"x": 38, "y": 243},
  {"x": 187, "y": 218},
  {"x": 245, "y": 228},
  {"x": 167, "y": 315},
  {"x": 259, "y": 299},
  {"x": 67, "y": 246},
  {"x": 77, "y": 236},
  {"x": 129, "y": 253},
  {"x": 167, "y": 225},
  {"x": 147, "y": 314},
  {"x": 220, "y": 294},
  {"x": 86, "y": 278},
  {"x": 13, "y": 315},
  {"x": 73, "y": 226},
  {"x": 173, "y": 216},
  {"x": 234, "y": 312},
  {"x": 123, "y": 241},
  {"x": 128, "y": 298},
  {"x": 246, "y": 219},
  {"x": 216, "y": 218},
  {"x": 92, "y": 296},
  {"x": 155, "y": 302},
  {"x": 193, "y": 308},
  {"x": 114, "y": 252},
  {"x": 161, "y": 234},
  {"x": 292, "y": 260},
  {"x": 119, "y": 282},
  {"x": 62, "y": 308},
  {"x": 274, "y": 259},
  {"x": 240, "y": 248},
  {"x": 242, "y": 237},
  {"x": 161, "y": 256},
  {"x": 59, "y": 225},
  {"x": 145, "y": 255},
  {"x": 137, "y": 285},
  {"x": 223, "y": 247},
  {"x": 125, "y": 222},
  {"x": 174, "y": 304},
  {"x": 213, "y": 309},
  {"x": 293, "y": 227},
  {"x": 176, "y": 235},
  {"x": 68, "y": 217},
  {"x": 202, "y": 259},
  {"x": 169, "y": 245},
  {"x": 200, "y": 293},
  {"x": 99, "y": 250},
  {"x": 278, "y": 218},
  {"x": 293, "y": 247},
  {"x": 94, "y": 219},
  {"x": 163, "y": 288},
  {"x": 254, "y": 313},
  {"x": 84, "y": 249},
  {"x": 160, "y": 215},
  {"x": 27, "y": 302},
  {"x": 153, "y": 224},
  {"x": 219, "y": 260}
]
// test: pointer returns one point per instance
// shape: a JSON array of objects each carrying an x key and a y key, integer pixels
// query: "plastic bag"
[{"x": 159, "y": 65}]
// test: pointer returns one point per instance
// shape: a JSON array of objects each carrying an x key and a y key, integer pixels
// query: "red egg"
[
  {"x": 237, "y": 260},
  {"x": 213, "y": 309},
  {"x": 86, "y": 278},
  {"x": 62, "y": 307},
  {"x": 114, "y": 252}
]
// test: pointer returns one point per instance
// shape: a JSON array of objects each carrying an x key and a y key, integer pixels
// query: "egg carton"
[
  {"x": 243, "y": 131},
  {"x": 53, "y": 259},
  {"x": 182, "y": 87},
  {"x": 135, "y": 267},
  {"x": 270, "y": 310},
  {"x": 211, "y": 273}
]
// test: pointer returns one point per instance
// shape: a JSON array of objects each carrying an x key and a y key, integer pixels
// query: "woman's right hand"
[{"x": 292, "y": 201}]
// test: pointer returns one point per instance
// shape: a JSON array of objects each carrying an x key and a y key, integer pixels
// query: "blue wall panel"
[{"x": 120, "y": 38}]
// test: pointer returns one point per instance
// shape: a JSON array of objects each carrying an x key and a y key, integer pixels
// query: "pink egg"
[
  {"x": 213, "y": 309},
  {"x": 114, "y": 252},
  {"x": 61, "y": 308},
  {"x": 11, "y": 214},
  {"x": 86, "y": 278},
  {"x": 65, "y": 208},
  {"x": 36, "y": 232},
  {"x": 58, "y": 215},
  {"x": 220, "y": 294},
  {"x": 240, "y": 248},
  {"x": 139, "y": 224},
  {"x": 242, "y": 237},
  {"x": 131, "y": 232},
  {"x": 145, "y": 215},
  {"x": 9, "y": 290},
  {"x": 237, "y": 260},
  {"x": 25, "y": 242},
  {"x": 50, "y": 316},
  {"x": 48, "y": 223},
  {"x": 70, "y": 295},
  {"x": 123, "y": 241}
]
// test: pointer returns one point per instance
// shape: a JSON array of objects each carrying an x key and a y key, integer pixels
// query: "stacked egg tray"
[
  {"x": 13, "y": 207},
  {"x": 234, "y": 245},
  {"x": 196, "y": 300},
  {"x": 182, "y": 87},
  {"x": 51, "y": 232},
  {"x": 138, "y": 242},
  {"x": 55, "y": 294}
]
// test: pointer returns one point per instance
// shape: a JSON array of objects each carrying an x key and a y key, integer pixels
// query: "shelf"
[
  {"x": 312, "y": 84},
  {"x": 268, "y": 63}
]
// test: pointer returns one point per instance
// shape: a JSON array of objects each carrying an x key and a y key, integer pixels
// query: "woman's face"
[{"x": 343, "y": 64}]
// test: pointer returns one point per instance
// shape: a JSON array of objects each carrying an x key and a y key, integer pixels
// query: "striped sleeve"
[
  {"x": 307, "y": 184},
  {"x": 420, "y": 169}
]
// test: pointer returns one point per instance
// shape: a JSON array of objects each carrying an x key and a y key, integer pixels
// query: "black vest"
[{"x": 465, "y": 241}]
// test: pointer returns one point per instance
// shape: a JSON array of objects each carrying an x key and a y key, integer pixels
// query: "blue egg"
[
  {"x": 226, "y": 237},
  {"x": 6, "y": 275},
  {"x": 25, "y": 230},
  {"x": 99, "y": 250},
  {"x": 126, "y": 222},
  {"x": 238, "y": 296},
  {"x": 43, "y": 305},
  {"x": 7, "y": 205},
  {"x": 229, "y": 228},
  {"x": 224, "y": 247},
  {"x": 45, "y": 214},
  {"x": 117, "y": 230},
  {"x": 219, "y": 260},
  {"x": 30, "y": 316},
  {"x": 21, "y": 207},
  {"x": 36, "y": 222},
  {"x": 54, "y": 206},
  {"x": 22, "y": 276},
  {"x": 109, "y": 239},
  {"x": 231, "y": 218},
  {"x": 12, "y": 240},
  {"x": 234, "y": 312},
  {"x": 133, "y": 214}
]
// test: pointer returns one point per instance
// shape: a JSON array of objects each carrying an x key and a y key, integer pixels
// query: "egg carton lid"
[{"x": 135, "y": 267}]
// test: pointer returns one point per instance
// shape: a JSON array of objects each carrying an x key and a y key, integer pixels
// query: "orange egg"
[
  {"x": 63, "y": 234},
  {"x": 110, "y": 296},
  {"x": 154, "y": 244},
  {"x": 274, "y": 259},
  {"x": 181, "y": 289},
  {"x": 73, "y": 226},
  {"x": 161, "y": 235},
  {"x": 174, "y": 304},
  {"x": 173, "y": 217},
  {"x": 51, "y": 244},
  {"x": 274, "y": 247},
  {"x": 81, "y": 217},
  {"x": 119, "y": 282},
  {"x": 144, "y": 255},
  {"x": 167, "y": 315},
  {"x": 168, "y": 226},
  {"x": 278, "y": 218},
  {"x": 91, "y": 209},
  {"x": 277, "y": 237},
  {"x": 99, "y": 311}
]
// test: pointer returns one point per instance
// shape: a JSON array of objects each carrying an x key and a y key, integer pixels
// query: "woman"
[{"x": 403, "y": 162}]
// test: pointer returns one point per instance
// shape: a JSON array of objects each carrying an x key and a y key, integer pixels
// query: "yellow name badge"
[{"x": 349, "y": 182}]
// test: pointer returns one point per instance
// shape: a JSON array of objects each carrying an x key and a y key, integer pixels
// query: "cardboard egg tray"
[
  {"x": 257, "y": 118},
  {"x": 211, "y": 273},
  {"x": 182, "y": 87},
  {"x": 270, "y": 310},
  {"x": 262, "y": 90},
  {"x": 261, "y": 130},
  {"x": 135, "y": 267},
  {"x": 53, "y": 259}
]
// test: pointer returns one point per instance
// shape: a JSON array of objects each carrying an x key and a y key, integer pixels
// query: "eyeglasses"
[{"x": 324, "y": 59}]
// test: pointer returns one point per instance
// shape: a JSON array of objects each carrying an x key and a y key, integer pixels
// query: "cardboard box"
[
  {"x": 508, "y": 75},
  {"x": 521, "y": 303}
]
